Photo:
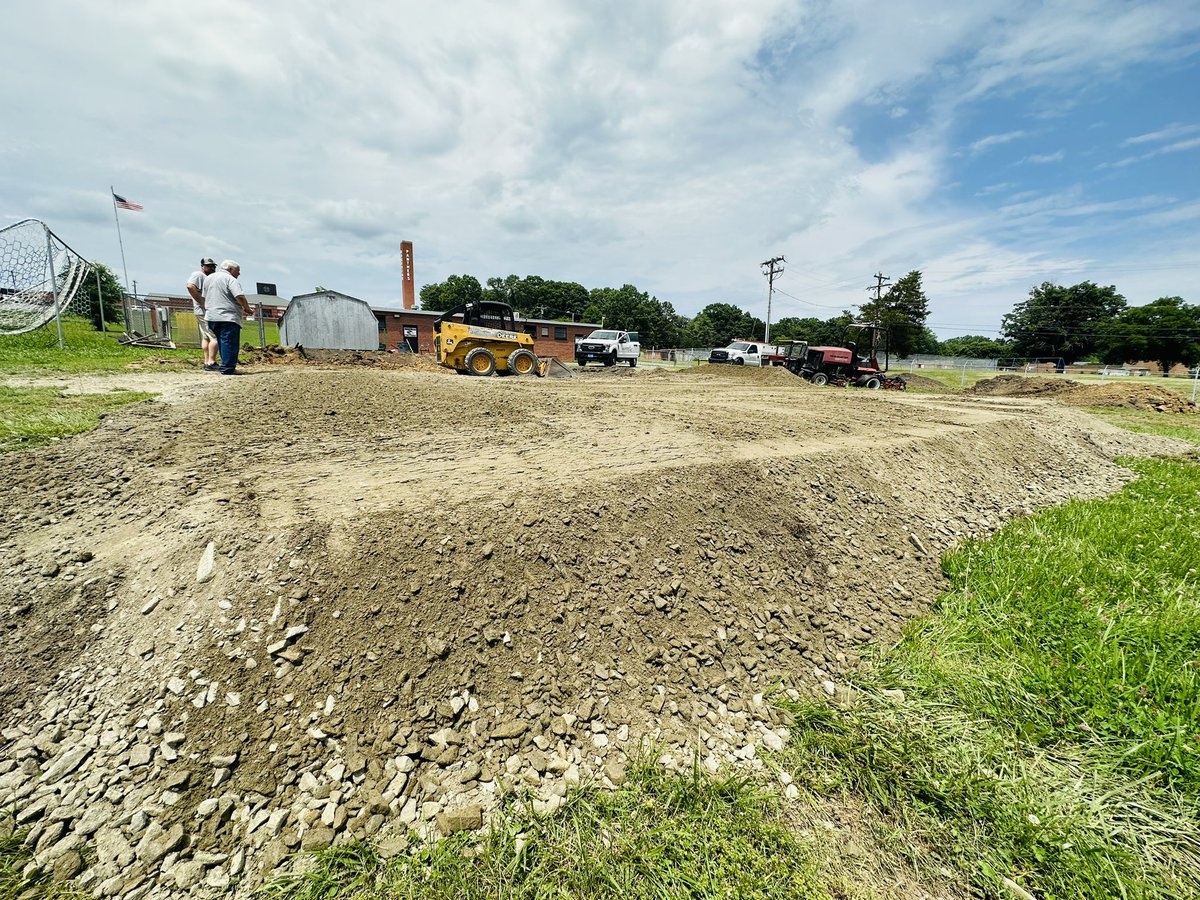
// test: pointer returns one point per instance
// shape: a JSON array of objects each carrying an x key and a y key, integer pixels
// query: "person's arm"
[
  {"x": 196, "y": 295},
  {"x": 241, "y": 299}
]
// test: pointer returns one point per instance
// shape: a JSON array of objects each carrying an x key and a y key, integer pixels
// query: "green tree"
[
  {"x": 448, "y": 294},
  {"x": 110, "y": 291},
  {"x": 974, "y": 346},
  {"x": 1057, "y": 321},
  {"x": 1166, "y": 331},
  {"x": 725, "y": 322},
  {"x": 903, "y": 311},
  {"x": 698, "y": 332},
  {"x": 792, "y": 328},
  {"x": 628, "y": 309},
  {"x": 536, "y": 298}
]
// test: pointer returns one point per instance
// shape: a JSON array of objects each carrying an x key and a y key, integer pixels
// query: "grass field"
[
  {"x": 87, "y": 350},
  {"x": 32, "y": 417},
  {"x": 1042, "y": 725}
]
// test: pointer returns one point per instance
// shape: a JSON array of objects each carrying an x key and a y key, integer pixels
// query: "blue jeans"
[{"x": 228, "y": 336}]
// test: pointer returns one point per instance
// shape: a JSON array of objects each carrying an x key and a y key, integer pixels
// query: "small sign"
[{"x": 267, "y": 289}]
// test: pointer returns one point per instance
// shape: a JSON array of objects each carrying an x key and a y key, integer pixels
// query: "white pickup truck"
[
  {"x": 743, "y": 353},
  {"x": 609, "y": 348}
]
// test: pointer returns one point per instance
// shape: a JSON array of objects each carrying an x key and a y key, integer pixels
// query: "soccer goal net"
[{"x": 40, "y": 277}]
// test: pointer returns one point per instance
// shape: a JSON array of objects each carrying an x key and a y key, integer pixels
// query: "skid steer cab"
[{"x": 482, "y": 339}]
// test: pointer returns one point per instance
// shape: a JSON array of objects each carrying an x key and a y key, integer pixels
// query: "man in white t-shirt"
[
  {"x": 224, "y": 306},
  {"x": 195, "y": 286}
]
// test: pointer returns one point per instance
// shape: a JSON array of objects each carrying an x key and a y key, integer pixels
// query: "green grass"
[
  {"x": 659, "y": 837},
  {"x": 87, "y": 350},
  {"x": 1050, "y": 731},
  {"x": 14, "y": 858},
  {"x": 1144, "y": 421},
  {"x": 31, "y": 417}
]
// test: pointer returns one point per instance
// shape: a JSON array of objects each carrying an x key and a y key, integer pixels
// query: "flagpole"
[{"x": 113, "y": 194}]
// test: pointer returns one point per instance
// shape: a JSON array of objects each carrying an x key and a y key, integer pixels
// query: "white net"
[{"x": 39, "y": 276}]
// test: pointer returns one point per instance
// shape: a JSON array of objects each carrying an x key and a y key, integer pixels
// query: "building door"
[{"x": 410, "y": 337}]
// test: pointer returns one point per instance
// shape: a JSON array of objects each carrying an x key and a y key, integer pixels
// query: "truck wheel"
[
  {"x": 480, "y": 361},
  {"x": 581, "y": 363},
  {"x": 633, "y": 363},
  {"x": 611, "y": 361},
  {"x": 739, "y": 362},
  {"x": 820, "y": 378},
  {"x": 522, "y": 362}
]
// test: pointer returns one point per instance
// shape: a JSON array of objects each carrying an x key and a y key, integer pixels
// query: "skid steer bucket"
[{"x": 549, "y": 365}]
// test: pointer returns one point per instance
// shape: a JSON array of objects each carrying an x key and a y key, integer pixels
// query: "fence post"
[
  {"x": 99, "y": 298},
  {"x": 262, "y": 329},
  {"x": 1195, "y": 382},
  {"x": 963, "y": 383},
  {"x": 54, "y": 287}
]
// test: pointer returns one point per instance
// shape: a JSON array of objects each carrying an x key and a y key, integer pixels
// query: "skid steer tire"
[
  {"x": 481, "y": 362},
  {"x": 820, "y": 378},
  {"x": 522, "y": 362}
]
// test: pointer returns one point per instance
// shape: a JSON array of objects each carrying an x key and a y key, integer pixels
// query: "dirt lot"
[{"x": 310, "y": 604}]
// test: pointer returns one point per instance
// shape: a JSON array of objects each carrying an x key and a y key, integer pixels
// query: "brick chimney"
[{"x": 406, "y": 268}]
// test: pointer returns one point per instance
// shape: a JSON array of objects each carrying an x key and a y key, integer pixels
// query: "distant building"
[{"x": 414, "y": 328}]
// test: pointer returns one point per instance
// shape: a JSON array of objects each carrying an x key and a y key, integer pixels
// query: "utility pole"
[
  {"x": 881, "y": 281},
  {"x": 771, "y": 268}
]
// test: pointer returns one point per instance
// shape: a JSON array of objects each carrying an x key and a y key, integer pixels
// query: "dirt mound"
[
  {"x": 926, "y": 385},
  {"x": 1020, "y": 386},
  {"x": 756, "y": 374},
  {"x": 1130, "y": 395},
  {"x": 275, "y": 355},
  {"x": 385, "y": 598}
]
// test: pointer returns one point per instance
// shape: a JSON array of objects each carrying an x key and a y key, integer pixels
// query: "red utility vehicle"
[{"x": 849, "y": 365}]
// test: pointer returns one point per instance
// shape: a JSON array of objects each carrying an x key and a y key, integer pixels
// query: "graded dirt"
[{"x": 425, "y": 591}]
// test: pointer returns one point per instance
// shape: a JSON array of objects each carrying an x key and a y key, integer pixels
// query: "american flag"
[{"x": 122, "y": 203}]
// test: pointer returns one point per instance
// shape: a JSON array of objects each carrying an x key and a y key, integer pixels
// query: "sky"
[{"x": 673, "y": 145}]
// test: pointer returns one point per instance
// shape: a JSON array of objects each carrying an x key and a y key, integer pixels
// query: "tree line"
[
  {"x": 904, "y": 307},
  {"x": 1083, "y": 322}
]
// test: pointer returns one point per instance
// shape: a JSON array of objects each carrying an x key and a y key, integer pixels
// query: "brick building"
[{"x": 414, "y": 327}]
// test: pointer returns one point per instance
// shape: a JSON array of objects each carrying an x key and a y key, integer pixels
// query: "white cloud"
[
  {"x": 1170, "y": 133},
  {"x": 995, "y": 140},
  {"x": 671, "y": 145}
]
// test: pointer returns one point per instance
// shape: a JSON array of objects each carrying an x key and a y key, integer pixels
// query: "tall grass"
[
  {"x": 660, "y": 837},
  {"x": 1050, "y": 729},
  {"x": 20, "y": 879}
]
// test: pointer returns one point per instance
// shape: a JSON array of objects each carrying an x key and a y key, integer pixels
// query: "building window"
[
  {"x": 560, "y": 332},
  {"x": 381, "y": 322},
  {"x": 545, "y": 331}
]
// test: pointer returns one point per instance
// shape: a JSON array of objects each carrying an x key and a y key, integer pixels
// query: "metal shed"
[{"x": 329, "y": 320}]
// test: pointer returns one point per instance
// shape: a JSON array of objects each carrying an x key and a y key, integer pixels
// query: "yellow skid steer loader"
[{"x": 482, "y": 338}]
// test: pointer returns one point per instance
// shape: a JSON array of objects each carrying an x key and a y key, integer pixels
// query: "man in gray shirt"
[
  {"x": 224, "y": 306},
  {"x": 195, "y": 286}
]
